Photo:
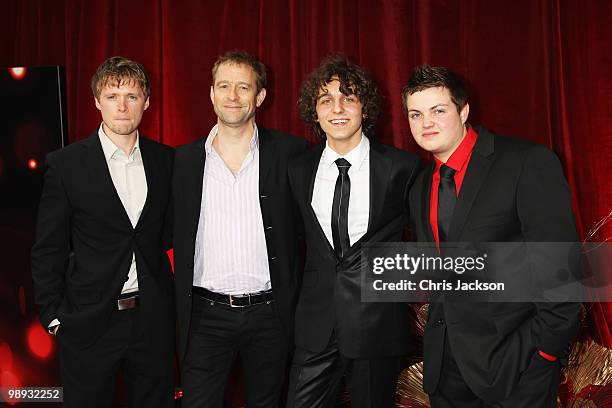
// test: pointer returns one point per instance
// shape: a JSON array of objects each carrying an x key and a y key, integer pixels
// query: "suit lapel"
[
  {"x": 426, "y": 201},
  {"x": 150, "y": 175},
  {"x": 310, "y": 173},
  {"x": 477, "y": 172},
  {"x": 267, "y": 151},
  {"x": 194, "y": 180},
  {"x": 380, "y": 170},
  {"x": 100, "y": 176},
  {"x": 380, "y": 173}
]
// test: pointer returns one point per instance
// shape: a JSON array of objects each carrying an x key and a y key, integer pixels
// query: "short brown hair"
[
  {"x": 117, "y": 71},
  {"x": 425, "y": 77},
  {"x": 240, "y": 57},
  {"x": 353, "y": 80}
]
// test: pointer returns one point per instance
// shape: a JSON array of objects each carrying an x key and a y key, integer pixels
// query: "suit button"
[
  {"x": 268, "y": 227},
  {"x": 137, "y": 234},
  {"x": 272, "y": 258},
  {"x": 189, "y": 294},
  {"x": 440, "y": 322}
]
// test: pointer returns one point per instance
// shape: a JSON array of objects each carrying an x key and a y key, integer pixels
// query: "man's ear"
[
  {"x": 260, "y": 97},
  {"x": 465, "y": 112},
  {"x": 97, "y": 102}
]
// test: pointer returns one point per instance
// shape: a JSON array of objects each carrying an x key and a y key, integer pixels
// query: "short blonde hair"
[{"x": 117, "y": 71}]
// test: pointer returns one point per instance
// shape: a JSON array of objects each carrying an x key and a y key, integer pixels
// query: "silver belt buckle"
[{"x": 231, "y": 299}]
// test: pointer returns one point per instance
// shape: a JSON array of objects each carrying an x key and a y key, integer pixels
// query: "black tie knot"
[
  {"x": 343, "y": 166},
  {"x": 446, "y": 172}
]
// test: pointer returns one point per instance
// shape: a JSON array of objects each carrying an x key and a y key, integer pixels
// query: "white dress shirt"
[
  {"x": 359, "y": 199},
  {"x": 128, "y": 175},
  {"x": 231, "y": 256}
]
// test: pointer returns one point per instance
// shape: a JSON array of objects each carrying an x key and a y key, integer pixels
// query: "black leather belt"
[
  {"x": 127, "y": 301},
  {"x": 249, "y": 299}
]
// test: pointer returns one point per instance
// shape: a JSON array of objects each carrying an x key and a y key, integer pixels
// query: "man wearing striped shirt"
[{"x": 235, "y": 244}]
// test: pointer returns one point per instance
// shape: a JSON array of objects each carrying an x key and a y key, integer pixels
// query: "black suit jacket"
[
  {"x": 279, "y": 223},
  {"x": 330, "y": 295},
  {"x": 513, "y": 191},
  {"x": 85, "y": 240}
]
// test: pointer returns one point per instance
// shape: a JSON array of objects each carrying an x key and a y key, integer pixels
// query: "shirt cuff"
[
  {"x": 51, "y": 327},
  {"x": 546, "y": 356}
]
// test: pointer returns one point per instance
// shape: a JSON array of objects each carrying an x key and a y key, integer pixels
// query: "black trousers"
[
  {"x": 89, "y": 376},
  {"x": 315, "y": 379},
  {"x": 217, "y": 334},
  {"x": 537, "y": 387}
]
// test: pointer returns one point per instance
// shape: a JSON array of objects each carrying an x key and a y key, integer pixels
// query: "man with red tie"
[{"x": 483, "y": 187}]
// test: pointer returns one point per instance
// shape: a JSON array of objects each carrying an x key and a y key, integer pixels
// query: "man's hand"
[{"x": 53, "y": 329}]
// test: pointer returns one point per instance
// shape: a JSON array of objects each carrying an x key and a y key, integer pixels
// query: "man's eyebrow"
[
  {"x": 322, "y": 95},
  {"x": 438, "y": 105},
  {"x": 225, "y": 81}
]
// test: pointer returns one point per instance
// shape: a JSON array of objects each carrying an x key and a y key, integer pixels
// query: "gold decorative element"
[
  {"x": 589, "y": 364},
  {"x": 410, "y": 388}
]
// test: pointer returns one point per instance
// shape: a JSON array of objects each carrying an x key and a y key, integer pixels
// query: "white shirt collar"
[
  {"x": 254, "y": 143},
  {"x": 356, "y": 156},
  {"x": 110, "y": 149}
]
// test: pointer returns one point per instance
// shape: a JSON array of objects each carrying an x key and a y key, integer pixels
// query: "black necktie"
[
  {"x": 447, "y": 197},
  {"x": 339, "y": 223}
]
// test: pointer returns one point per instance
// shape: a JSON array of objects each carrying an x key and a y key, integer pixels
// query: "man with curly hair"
[{"x": 350, "y": 191}]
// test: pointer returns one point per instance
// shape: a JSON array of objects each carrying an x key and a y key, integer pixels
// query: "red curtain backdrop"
[{"x": 540, "y": 70}]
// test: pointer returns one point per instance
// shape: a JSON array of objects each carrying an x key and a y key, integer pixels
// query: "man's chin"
[
  {"x": 123, "y": 130},
  {"x": 235, "y": 121}
]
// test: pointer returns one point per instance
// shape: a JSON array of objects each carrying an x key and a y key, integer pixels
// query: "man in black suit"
[
  {"x": 483, "y": 187},
  {"x": 235, "y": 244},
  {"x": 350, "y": 191},
  {"x": 101, "y": 277}
]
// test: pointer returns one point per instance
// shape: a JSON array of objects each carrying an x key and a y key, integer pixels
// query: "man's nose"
[
  {"x": 122, "y": 105},
  {"x": 338, "y": 106},
  {"x": 233, "y": 93}
]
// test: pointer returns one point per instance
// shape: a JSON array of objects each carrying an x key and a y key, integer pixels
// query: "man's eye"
[
  {"x": 324, "y": 101},
  {"x": 414, "y": 115},
  {"x": 439, "y": 111},
  {"x": 111, "y": 97},
  {"x": 244, "y": 88},
  {"x": 133, "y": 97}
]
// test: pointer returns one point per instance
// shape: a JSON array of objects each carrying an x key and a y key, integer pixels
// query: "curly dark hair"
[
  {"x": 354, "y": 80},
  {"x": 425, "y": 77}
]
